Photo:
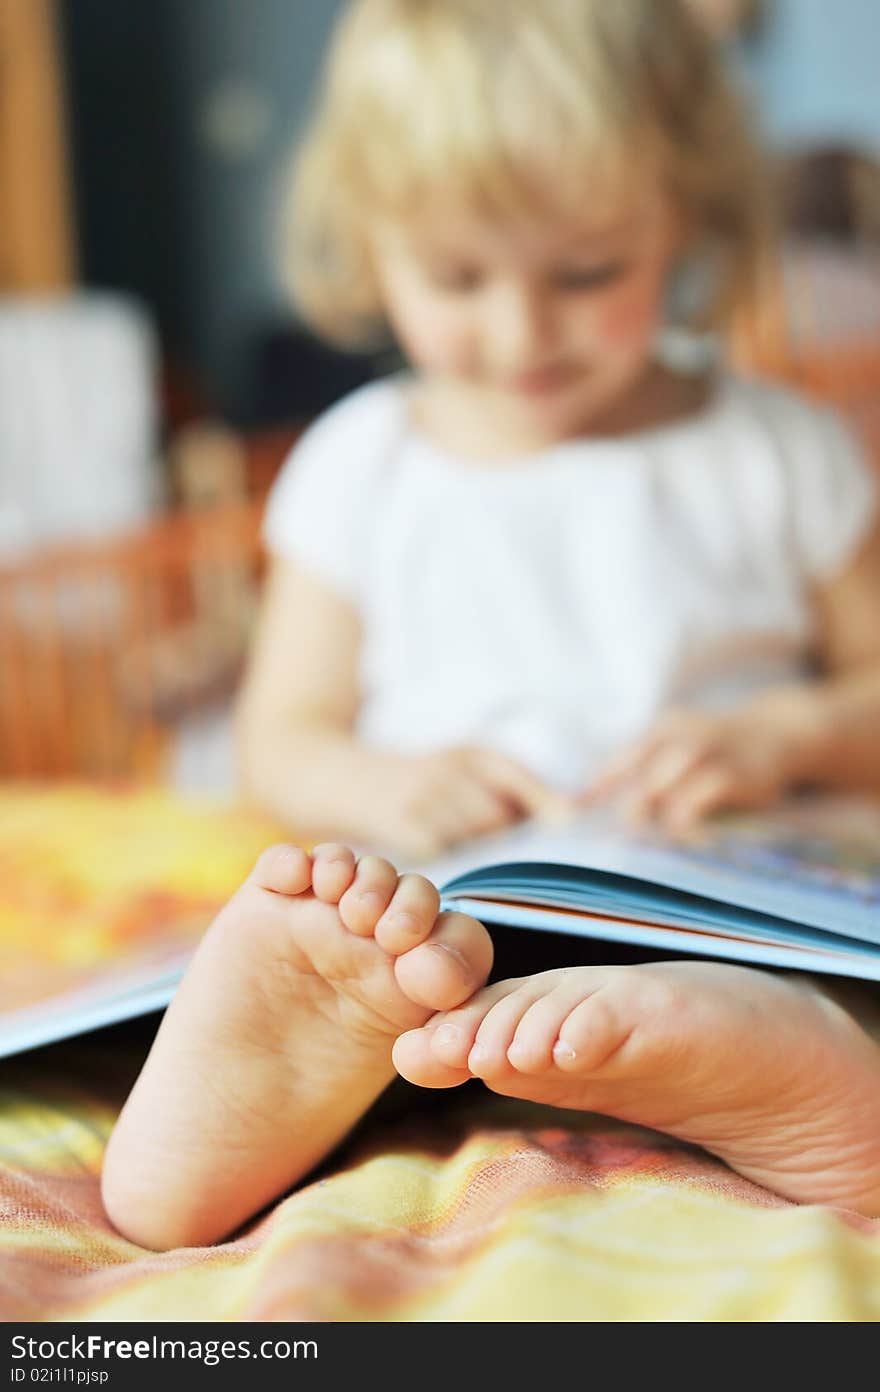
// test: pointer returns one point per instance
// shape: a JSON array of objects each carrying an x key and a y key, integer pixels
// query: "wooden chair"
[{"x": 104, "y": 645}]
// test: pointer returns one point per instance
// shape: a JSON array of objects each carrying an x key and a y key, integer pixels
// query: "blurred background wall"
[
  {"x": 181, "y": 114},
  {"x": 814, "y": 65}
]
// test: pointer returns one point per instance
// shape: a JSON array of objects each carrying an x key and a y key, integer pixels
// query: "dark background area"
[{"x": 181, "y": 119}]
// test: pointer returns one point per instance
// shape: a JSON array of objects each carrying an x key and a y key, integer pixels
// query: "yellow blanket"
[{"x": 464, "y": 1207}]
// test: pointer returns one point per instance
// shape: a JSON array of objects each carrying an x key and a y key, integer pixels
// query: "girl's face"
[{"x": 551, "y": 323}]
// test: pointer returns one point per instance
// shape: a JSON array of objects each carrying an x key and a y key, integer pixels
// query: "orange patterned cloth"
[
  {"x": 458, "y": 1206},
  {"x": 94, "y": 879}
]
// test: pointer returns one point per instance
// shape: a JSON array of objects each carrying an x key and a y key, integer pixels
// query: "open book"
[
  {"x": 104, "y": 894},
  {"x": 796, "y": 888},
  {"x": 107, "y": 934}
]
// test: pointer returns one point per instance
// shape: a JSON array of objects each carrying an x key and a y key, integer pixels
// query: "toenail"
[
  {"x": 453, "y": 952},
  {"x": 562, "y": 1052},
  {"x": 478, "y": 1054},
  {"x": 448, "y": 1034}
]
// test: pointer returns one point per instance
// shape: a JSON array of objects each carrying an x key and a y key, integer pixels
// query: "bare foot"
[
  {"x": 279, "y": 1038},
  {"x": 767, "y": 1071}
]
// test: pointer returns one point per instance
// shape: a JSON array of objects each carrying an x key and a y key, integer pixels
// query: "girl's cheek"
[
  {"x": 435, "y": 344},
  {"x": 632, "y": 316}
]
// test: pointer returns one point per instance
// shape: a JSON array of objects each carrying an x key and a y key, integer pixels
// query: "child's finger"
[
  {"x": 442, "y": 822},
  {"x": 670, "y": 766},
  {"x": 674, "y": 729},
  {"x": 480, "y": 808},
  {"x": 663, "y": 781},
  {"x": 614, "y": 776},
  {"x": 414, "y": 839},
  {"x": 709, "y": 790},
  {"x": 513, "y": 781},
  {"x": 445, "y": 820}
]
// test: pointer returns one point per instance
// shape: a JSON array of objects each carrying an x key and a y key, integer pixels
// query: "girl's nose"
[{"x": 520, "y": 320}]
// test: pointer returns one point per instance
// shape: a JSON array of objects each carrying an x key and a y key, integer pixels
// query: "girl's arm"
[
  {"x": 841, "y": 712},
  {"x": 297, "y": 706},
  {"x": 301, "y": 758}
]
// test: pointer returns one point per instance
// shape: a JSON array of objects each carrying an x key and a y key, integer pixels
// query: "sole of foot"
[{"x": 280, "y": 1037}]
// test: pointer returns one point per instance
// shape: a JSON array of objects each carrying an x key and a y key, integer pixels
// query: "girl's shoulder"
[
  {"x": 321, "y": 505},
  {"x": 821, "y": 475},
  {"x": 361, "y": 426},
  {"x": 342, "y": 455},
  {"x": 810, "y": 439},
  {"x": 780, "y": 407},
  {"x": 770, "y": 425}
]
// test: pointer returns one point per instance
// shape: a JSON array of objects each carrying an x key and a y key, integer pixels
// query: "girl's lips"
[{"x": 540, "y": 382}]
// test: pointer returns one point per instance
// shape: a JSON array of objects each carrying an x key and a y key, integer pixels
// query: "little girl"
[{"x": 545, "y": 563}]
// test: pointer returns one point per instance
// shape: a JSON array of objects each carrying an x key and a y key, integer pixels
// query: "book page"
[
  {"x": 812, "y": 861},
  {"x": 104, "y": 895}
]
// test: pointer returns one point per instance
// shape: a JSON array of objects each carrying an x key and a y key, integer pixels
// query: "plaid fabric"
[{"x": 456, "y": 1206}]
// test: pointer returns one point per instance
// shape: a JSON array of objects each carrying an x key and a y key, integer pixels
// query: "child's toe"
[
  {"x": 410, "y": 916},
  {"x": 531, "y": 1048},
  {"x": 453, "y": 1033},
  {"x": 415, "y": 1060},
  {"x": 494, "y": 1036},
  {"x": 368, "y": 895},
  {"x": 332, "y": 871},
  {"x": 593, "y": 1034},
  {"x": 449, "y": 967},
  {"x": 283, "y": 870}
]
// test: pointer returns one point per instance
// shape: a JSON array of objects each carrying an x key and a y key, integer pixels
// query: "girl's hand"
[
  {"x": 424, "y": 805},
  {"x": 694, "y": 763}
]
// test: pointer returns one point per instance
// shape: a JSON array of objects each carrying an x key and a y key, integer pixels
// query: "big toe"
[
  {"x": 447, "y": 969},
  {"x": 415, "y": 1060}
]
